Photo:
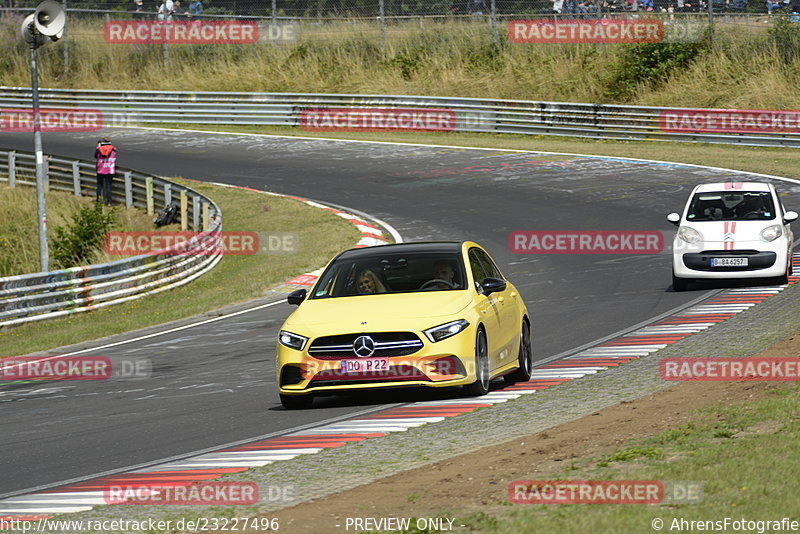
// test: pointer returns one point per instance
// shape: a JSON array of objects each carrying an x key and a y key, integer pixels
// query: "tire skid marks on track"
[
  {"x": 371, "y": 235},
  {"x": 84, "y": 496}
]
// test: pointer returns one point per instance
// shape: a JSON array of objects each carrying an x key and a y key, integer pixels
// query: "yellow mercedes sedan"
[{"x": 406, "y": 315}]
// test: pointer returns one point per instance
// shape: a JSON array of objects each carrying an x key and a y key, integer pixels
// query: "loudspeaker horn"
[
  {"x": 29, "y": 33},
  {"x": 50, "y": 19}
]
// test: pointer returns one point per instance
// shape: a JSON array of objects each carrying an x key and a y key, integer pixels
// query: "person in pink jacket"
[{"x": 106, "y": 156}]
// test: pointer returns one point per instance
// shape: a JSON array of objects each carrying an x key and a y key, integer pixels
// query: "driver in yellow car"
[{"x": 443, "y": 271}]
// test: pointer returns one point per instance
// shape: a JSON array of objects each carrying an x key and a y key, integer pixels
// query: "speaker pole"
[
  {"x": 41, "y": 200},
  {"x": 66, "y": 43}
]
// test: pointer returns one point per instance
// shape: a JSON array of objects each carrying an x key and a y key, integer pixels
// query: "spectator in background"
[
  {"x": 165, "y": 10},
  {"x": 558, "y": 6},
  {"x": 739, "y": 6},
  {"x": 610, "y": 6},
  {"x": 773, "y": 5},
  {"x": 196, "y": 10},
  {"x": 720, "y": 6},
  {"x": 136, "y": 10},
  {"x": 794, "y": 8},
  {"x": 663, "y": 6},
  {"x": 177, "y": 14},
  {"x": 476, "y": 7},
  {"x": 106, "y": 167}
]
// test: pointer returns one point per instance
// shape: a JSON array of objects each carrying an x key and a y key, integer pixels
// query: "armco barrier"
[
  {"x": 122, "y": 108},
  {"x": 36, "y": 296}
]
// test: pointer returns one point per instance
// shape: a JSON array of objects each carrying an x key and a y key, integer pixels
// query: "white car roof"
[{"x": 733, "y": 186}]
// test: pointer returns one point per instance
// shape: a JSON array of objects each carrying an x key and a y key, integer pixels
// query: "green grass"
[
  {"x": 19, "y": 237},
  {"x": 748, "y": 66},
  {"x": 632, "y": 453},
  {"x": 746, "y": 457},
  {"x": 237, "y": 278}
]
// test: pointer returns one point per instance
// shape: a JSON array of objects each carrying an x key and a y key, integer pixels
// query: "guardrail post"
[
  {"x": 167, "y": 194},
  {"x": 128, "y": 190},
  {"x": 206, "y": 221},
  {"x": 12, "y": 169},
  {"x": 184, "y": 212},
  {"x": 195, "y": 213},
  {"x": 148, "y": 185},
  {"x": 76, "y": 178}
]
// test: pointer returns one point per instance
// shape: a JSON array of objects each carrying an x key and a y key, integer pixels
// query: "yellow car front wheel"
[
  {"x": 525, "y": 358},
  {"x": 481, "y": 384}
]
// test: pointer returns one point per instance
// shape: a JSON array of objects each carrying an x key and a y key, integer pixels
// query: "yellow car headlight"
[
  {"x": 443, "y": 331},
  {"x": 293, "y": 341}
]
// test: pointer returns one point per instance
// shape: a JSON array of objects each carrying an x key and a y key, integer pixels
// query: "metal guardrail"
[
  {"x": 471, "y": 114},
  {"x": 37, "y": 296}
]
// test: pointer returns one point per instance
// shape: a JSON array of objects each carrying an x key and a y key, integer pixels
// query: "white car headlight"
[
  {"x": 688, "y": 234},
  {"x": 293, "y": 341},
  {"x": 771, "y": 233},
  {"x": 443, "y": 331}
]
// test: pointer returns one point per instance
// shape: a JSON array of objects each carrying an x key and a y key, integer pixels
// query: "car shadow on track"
[
  {"x": 366, "y": 399},
  {"x": 706, "y": 285}
]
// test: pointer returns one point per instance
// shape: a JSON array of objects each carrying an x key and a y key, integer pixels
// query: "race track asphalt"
[{"x": 215, "y": 384}]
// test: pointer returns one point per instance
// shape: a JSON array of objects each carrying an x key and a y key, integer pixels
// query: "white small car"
[{"x": 732, "y": 230}]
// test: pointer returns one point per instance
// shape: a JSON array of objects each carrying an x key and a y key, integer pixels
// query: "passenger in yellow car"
[{"x": 369, "y": 283}]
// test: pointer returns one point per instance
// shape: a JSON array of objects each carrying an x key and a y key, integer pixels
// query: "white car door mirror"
[
  {"x": 790, "y": 216},
  {"x": 675, "y": 218}
]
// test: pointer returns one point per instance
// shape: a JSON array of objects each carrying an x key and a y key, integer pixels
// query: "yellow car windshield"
[{"x": 391, "y": 273}]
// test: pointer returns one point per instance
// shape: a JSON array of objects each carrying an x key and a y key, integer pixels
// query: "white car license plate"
[
  {"x": 729, "y": 262},
  {"x": 366, "y": 365}
]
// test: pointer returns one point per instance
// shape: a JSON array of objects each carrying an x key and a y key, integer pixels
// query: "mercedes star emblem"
[{"x": 364, "y": 346}]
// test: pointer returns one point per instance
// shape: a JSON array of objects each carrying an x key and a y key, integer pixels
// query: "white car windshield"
[
  {"x": 391, "y": 273},
  {"x": 731, "y": 206}
]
